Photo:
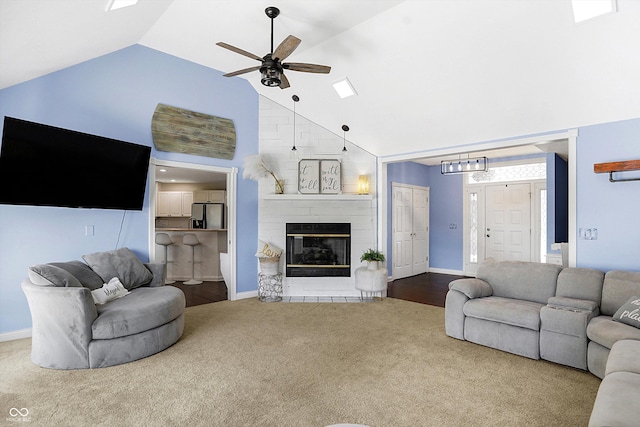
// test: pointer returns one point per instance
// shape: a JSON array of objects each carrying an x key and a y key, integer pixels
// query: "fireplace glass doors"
[{"x": 318, "y": 249}]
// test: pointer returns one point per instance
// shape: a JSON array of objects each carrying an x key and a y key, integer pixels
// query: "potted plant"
[{"x": 373, "y": 258}]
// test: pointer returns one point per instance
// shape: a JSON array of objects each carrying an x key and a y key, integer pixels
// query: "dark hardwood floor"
[
  {"x": 204, "y": 293},
  {"x": 427, "y": 288}
]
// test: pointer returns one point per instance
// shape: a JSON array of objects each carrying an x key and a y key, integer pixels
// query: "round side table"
[{"x": 370, "y": 282}]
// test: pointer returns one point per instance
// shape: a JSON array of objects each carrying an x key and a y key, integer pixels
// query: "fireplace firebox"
[{"x": 318, "y": 250}]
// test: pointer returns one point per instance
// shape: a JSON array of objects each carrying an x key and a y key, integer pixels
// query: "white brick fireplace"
[{"x": 276, "y": 210}]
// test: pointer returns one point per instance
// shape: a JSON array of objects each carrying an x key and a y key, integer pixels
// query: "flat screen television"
[{"x": 42, "y": 165}]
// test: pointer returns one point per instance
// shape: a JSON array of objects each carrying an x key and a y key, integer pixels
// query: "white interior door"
[
  {"x": 410, "y": 229},
  {"x": 508, "y": 222},
  {"x": 420, "y": 227},
  {"x": 402, "y": 231}
]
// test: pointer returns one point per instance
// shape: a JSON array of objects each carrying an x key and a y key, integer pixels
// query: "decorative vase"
[
  {"x": 372, "y": 265},
  {"x": 279, "y": 186}
]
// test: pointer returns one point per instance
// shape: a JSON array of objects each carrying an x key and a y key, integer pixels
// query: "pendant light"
[
  {"x": 345, "y": 129},
  {"x": 295, "y": 98}
]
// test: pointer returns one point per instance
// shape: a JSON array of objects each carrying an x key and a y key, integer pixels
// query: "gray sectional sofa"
[
  {"x": 71, "y": 331},
  {"x": 577, "y": 317}
]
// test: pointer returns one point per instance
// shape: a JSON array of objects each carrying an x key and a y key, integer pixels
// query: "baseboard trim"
[
  {"x": 15, "y": 335},
  {"x": 446, "y": 271},
  {"x": 246, "y": 295}
]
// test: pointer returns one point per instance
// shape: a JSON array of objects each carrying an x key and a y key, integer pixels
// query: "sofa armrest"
[
  {"x": 159, "y": 271},
  {"x": 461, "y": 291},
  {"x": 574, "y": 303},
  {"x": 472, "y": 288},
  {"x": 61, "y": 325}
]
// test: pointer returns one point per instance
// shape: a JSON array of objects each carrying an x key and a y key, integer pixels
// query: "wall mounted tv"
[{"x": 42, "y": 165}]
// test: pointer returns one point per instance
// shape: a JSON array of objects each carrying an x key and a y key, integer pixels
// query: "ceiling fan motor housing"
[{"x": 271, "y": 72}]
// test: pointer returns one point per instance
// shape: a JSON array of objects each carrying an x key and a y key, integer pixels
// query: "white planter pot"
[{"x": 372, "y": 265}]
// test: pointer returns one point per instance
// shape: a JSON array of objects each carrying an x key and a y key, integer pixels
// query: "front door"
[{"x": 508, "y": 222}]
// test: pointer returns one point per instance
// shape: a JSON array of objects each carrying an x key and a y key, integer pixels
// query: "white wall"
[{"x": 313, "y": 142}]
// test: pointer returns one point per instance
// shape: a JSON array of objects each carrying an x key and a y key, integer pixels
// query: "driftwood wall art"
[{"x": 182, "y": 131}]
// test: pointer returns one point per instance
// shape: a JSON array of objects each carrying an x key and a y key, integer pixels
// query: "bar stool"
[
  {"x": 191, "y": 239},
  {"x": 164, "y": 240}
]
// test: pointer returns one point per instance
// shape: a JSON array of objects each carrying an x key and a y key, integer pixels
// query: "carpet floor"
[{"x": 247, "y": 363}]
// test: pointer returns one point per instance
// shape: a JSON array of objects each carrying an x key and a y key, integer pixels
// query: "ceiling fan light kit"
[{"x": 272, "y": 67}]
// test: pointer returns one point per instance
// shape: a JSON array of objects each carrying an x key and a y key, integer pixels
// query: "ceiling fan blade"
[
  {"x": 285, "y": 48},
  {"x": 245, "y": 70},
  {"x": 240, "y": 51},
  {"x": 307, "y": 68},
  {"x": 284, "y": 81}
]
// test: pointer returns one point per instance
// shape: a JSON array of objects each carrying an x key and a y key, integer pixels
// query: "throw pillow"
[
  {"x": 120, "y": 263},
  {"x": 81, "y": 271},
  {"x": 629, "y": 313},
  {"x": 51, "y": 275},
  {"x": 266, "y": 250},
  {"x": 109, "y": 292}
]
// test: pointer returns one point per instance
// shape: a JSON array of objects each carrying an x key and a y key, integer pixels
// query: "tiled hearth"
[{"x": 275, "y": 211}]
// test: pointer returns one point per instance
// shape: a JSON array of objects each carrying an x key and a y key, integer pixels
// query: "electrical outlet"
[
  {"x": 89, "y": 230},
  {"x": 453, "y": 226}
]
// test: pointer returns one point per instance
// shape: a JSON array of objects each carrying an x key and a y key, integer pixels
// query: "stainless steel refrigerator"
[{"x": 207, "y": 215}]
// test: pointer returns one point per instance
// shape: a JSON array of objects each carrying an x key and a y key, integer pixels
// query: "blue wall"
[
  {"x": 445, "y": 208},
  {"x": 115, "y": 96},
  {"x": 612, "y": 208}
]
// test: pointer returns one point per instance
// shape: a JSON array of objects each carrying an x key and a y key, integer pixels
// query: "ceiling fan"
[{"x": 272, "y": 68}]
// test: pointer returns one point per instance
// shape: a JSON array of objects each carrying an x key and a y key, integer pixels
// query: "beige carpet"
[{"x": 246, "y": 363}]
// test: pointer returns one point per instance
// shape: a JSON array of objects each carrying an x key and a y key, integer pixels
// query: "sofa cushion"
[
  {"x": 525, "y": 314},
  {"x": 120, "y": 263},
  {"x": 580, "y": 283},
  {"x": 531, "y": 281},
  {"x": 143, "y": 309},
  {"x": 624, "y": 357},
  {"x": 629, "y": 313},
  {"x": 605, "y": 331},
  {"x": 82, "y": 272},
  {"x": 617, "y": 288},
  {"x": 617, "y": 401},
  {"x": 50, "y": 275}
]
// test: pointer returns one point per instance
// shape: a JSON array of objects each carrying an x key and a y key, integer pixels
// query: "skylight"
[
  {"x": 344, "y": 88},
  {"x": 119, "y": 4},
  {"x": 587, "y": 9}
]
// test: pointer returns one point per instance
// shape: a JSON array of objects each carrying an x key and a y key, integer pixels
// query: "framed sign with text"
[
  {"x": 319, "y": 176},
  {"x": 330, "y": 177},
  {"x": 309, "y": 176}
]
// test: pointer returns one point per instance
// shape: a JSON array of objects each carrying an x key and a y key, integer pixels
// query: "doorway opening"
[
  {"x": 194, "y": 180},
  {"x": 505, "y": 214}
]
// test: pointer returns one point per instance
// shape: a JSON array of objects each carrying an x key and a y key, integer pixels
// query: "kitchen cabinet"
[
  {"x": 174, "y": 203},
  {"x": 215, "y": 196}
]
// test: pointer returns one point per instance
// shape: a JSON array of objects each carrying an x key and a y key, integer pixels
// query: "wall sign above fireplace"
[{"x": 319, "y": 176}]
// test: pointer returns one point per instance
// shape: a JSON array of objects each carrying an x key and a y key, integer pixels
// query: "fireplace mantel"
[{"x": 317, "y": 197}]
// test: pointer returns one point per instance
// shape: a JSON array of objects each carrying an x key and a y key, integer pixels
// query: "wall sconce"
[
  {"x": 345, "y": 129},
  {"x": 471, "y": 164},
  {"x": 363, "y": 184}
]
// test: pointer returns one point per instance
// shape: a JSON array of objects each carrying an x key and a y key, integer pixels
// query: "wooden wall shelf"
[{"x": 611, "y": 167}]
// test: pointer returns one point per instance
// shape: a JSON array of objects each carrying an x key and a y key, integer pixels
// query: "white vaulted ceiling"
[{"x": 429, "y": 73}]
